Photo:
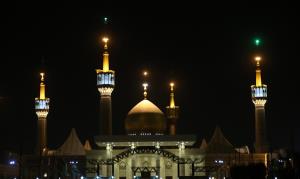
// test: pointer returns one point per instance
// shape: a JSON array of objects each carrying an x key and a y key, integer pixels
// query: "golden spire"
[
  {"x": 105, "y": 55},
  {"x": 172, "y": 101},
  {"x": 42, "y": 87},
  {"x": 258, "y": 71}
]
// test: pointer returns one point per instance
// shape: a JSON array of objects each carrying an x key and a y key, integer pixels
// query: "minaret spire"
[
  {"x": 259, "y": 98},
  {"x": 172, "y": 101},
  {"x": 105, "y": 55},
  {"x": 42, "y": 87},
  {"x": 105, "y": 85},
  {"x": 42, "y": 109},
  {"x": 258, "y": 71},
  {"x": 172, "y": 112}
]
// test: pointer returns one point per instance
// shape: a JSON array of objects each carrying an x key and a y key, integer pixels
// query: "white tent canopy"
[{"x": 72, "y": 146}]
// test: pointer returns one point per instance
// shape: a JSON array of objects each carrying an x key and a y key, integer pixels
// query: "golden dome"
[{"x": 145, "y": 118}]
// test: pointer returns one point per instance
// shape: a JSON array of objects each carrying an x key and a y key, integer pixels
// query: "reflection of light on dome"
[
  {"x": 145, "y": 106},
  {"x": 145, "y": 118}
]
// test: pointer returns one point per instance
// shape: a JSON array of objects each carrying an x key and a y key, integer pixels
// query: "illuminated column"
[
  {"x": 181, "y": 154},
  {"x": 172, "y": 112},
  {"x": 42, "y": 109},
  {"x": 109, "y": 167},
  {"x": 259, "y": 98},
  {"x": 105, "y": 84},
  {"x": 158, "y": 166}
]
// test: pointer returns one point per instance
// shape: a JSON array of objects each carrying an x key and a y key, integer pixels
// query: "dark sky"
[{"x": 207, "y": 52}]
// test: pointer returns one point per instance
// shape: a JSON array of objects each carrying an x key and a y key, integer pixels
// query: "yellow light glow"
[
  {"x": 258, "y": 78},
  {"x": 172, "y": 100},
  {"x": 266, "y": 159},
  {"x": 105, "y": 55},
  {"x": 171, "y": 85},
  {"x": 105, "y": 62},
  {"x": 105, "y": 39},
  {"x": 258, "y": 71},
  {"x": 42, "y": 87},
  {"x": 145, "y": 85},
  {"x": 145, "y": 73},
  {"x": 257, "y": 58},
  {"x": 42, "y": 76}
]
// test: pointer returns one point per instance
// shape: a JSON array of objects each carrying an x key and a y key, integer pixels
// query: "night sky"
[{"x": 207, "y": 53}]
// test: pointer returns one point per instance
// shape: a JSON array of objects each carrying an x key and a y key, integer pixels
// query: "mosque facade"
[{"x": 150, "y": 149}]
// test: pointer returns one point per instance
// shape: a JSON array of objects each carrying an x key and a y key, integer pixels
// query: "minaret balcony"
[
  {"x": 259, "y": 92},
  {"x": 105, "y": 79},
  {"x": 42, "y": 104}
]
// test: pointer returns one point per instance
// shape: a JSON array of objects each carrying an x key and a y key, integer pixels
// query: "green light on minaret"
[{"x": 257, "y": 42}]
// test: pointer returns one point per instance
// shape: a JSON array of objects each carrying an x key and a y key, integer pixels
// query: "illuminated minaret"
[
  {"x": 172, "y": 112},
  {"x": 105, "y": 84},
  {"x": 42, "y": 109},
  {"x": 259, "y": 98}
]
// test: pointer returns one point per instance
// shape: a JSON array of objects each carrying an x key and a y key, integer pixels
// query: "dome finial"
[
  {"x": 105, "y": 40},
  {"x": 145, "y": 73},
  {"x": 257, "y": 59},
  {"x": 42, "y": 76},
  {"x": 172, "y": 85},
  {"x": 145, "y": 85}
]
